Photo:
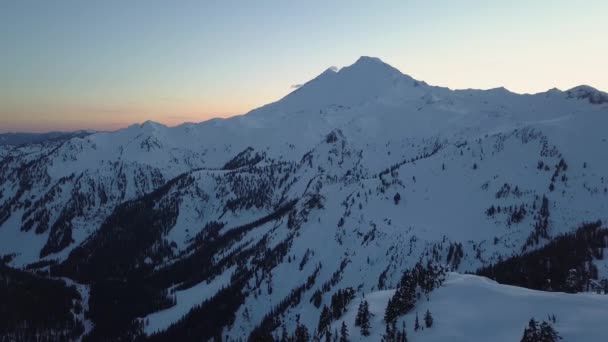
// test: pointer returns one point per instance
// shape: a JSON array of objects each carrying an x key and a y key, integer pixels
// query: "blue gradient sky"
[{"x": 106, "y": 64}]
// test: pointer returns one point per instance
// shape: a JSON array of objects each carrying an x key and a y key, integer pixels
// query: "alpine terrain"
[{"x": 363, "y": 206}]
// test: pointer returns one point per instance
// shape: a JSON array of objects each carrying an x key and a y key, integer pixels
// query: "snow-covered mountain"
[
  {"x": 344, "y": 183},
  {"x": 472, "y": 308},
  {"x": 15, "y": 139}
]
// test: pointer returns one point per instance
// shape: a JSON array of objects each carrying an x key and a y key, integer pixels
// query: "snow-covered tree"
[
  {"x": 547, "y": 333},
  {"x": 540, "y": 332}
]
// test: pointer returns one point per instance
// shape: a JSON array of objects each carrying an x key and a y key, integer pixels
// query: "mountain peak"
[
  {"x": 366, "y": 80},
  {"x": 585, "y": 92},
  {"x": 369, "y": 59},
  {"x": 149, "y": 124},
  {"x": 371, "y": 65}
]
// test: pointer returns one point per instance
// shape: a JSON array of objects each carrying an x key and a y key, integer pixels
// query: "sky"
[{"x": 67, "y": 65}]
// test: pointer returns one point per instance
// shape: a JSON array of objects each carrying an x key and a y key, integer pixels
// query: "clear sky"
[{"x": 106, "y": 64}]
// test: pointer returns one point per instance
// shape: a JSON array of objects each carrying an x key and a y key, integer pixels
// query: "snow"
[
  {"x": 84, "y": 292},
  {"x": 380, "y": 118},
  {"x": 186, "y": 300},
  {"x": 25, "y": 246},
  {"x": 471, "y": 308},
  {"x": 366, "y": 80}
]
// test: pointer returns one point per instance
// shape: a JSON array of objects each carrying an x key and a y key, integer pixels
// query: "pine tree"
[
  {"x": 284, "y": 336},
  {"x": 573, "y": 281},
  {"x": 417, "y": 323},
  {"x": 324, "y": 319},
  {"x": 362, "y": 319},
  {"x": 402, "y": 336},
  {"x": 531, "y": 332},
  {"x": 328, "y": 335},
  {"x": 390, "y": 313},
  {"x": 428, "y": 319},
  {"x": 301, "y": 333},
  {"x": 340, "y": 300},
  {"x": 547, "y": 333},
  {"x": 365, "y": 324},
  {"x": 404, "y": 298},
  {"x": 407, "y": 293},
  {"x": 344, "y": 333},
  {"x": 359, "y": 315},
  {"x": 390, "y": 332}
]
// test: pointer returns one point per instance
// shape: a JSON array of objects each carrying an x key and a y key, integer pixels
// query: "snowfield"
[
  {"x": 470, "y": 308},
  {"x": 186, "y": 299}
]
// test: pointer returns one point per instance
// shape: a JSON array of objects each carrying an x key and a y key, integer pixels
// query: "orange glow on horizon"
[{"x": 68, "y": 122}]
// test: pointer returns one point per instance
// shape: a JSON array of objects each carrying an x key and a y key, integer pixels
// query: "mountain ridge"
[{"x": 256, "y": 222}]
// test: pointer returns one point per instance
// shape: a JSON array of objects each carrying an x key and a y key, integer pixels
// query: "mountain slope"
[
  {"x": 15, "y": 139},
  {"x": 344, "y": 183},
  {"x": 472, "y": 308}
]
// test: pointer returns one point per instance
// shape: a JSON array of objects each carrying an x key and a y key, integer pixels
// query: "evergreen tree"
[
  {"x": 362, "y": 319},
  {"x": 547, "y": 333},
  {"x": 390, "y": 332},
  {"x": 390, "y": 313},
  {"x": 404, "y": 298},
  {"x": 340, "y": 300},
  {"x": 407, "y": 295},
  {"x": 324, "y": 319},
  {"x": 344, "y": 333},
  {"x": 328, "y": 335},
  {"x": 428, "y": 319},
  {"x": 573, "y": 281},
  {"x": 284, "y": 336},
  {"x": 403, "y": 335},
  {"x": 301, "y": 333},
  {"x": 546, "y": 268},
  {"x": 417, "y": 323},
  {"x": 531, "y": 332},
  {"x": 359, "y": 315}
]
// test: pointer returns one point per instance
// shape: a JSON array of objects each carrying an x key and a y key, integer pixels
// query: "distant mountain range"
[
  {"x": 15, "y": 139},
  {"x": 281, "y": 221}
]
